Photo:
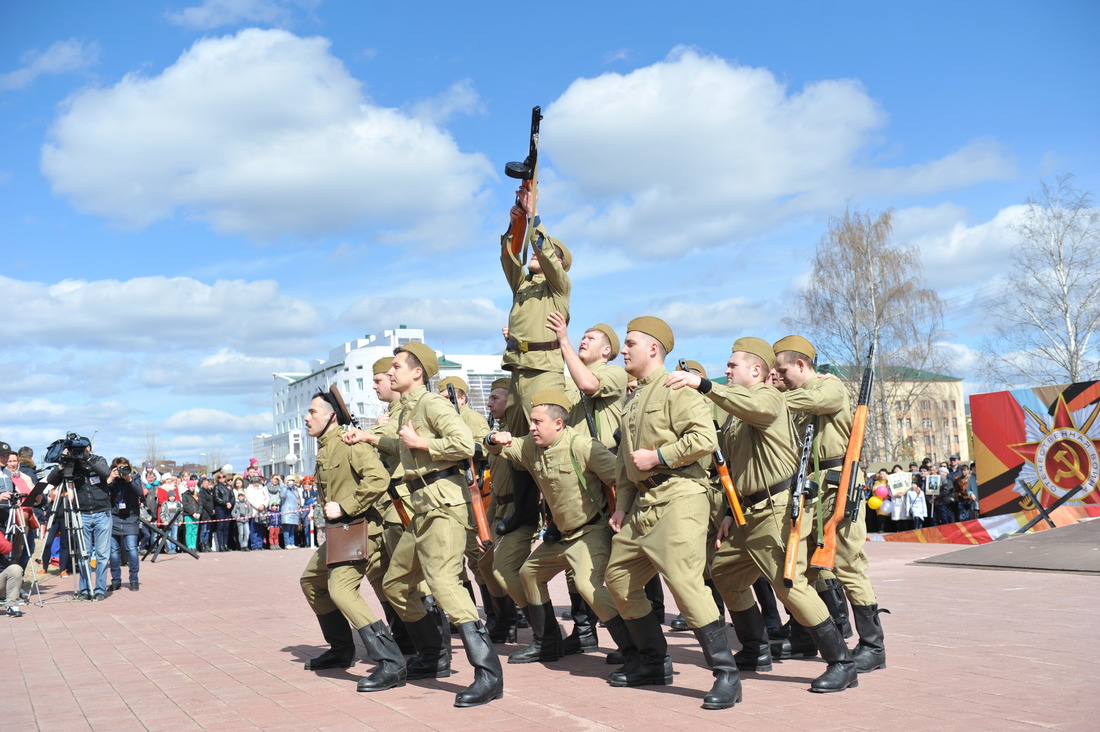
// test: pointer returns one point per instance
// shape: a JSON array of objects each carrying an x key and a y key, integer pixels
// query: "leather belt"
[
  {"x": 830, "y": 463},
  {"x": 654, "y": 481},
  {"x": 754, "y": 498},
  {"x": 525, "y": 346},
  {"x": 423, "y": 481}
]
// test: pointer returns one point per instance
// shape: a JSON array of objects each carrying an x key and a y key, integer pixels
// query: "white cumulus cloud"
[{"x": 265, "y": 134}]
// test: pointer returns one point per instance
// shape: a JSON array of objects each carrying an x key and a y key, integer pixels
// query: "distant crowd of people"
[{"x": 933, "y": 495}]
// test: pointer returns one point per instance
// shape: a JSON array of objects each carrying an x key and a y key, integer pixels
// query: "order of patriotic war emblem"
[{"x": 1062, "y": 452}]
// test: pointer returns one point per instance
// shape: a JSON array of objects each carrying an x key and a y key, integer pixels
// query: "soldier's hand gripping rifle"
[
  {"x": 484, "y": 536},
  {"x": 723, "y": 471},
  {"x": 608, "y": 490},
  {"x": 850, "y": 493},
  {"x": 528, "y": 171},
  {"x": 803, "y": 488}
]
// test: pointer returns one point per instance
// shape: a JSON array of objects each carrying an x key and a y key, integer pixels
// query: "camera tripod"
[
  {"x": 66, "y": 503},
  {"x": 17, "y": 525}
]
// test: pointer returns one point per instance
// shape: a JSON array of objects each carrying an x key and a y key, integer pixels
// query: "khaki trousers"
[
  {"x": 336, "y": 588},
  {"x": 586, "y": 555}
]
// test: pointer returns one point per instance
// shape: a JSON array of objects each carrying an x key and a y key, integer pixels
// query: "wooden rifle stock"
[
  {"x": 825, "y": 555},
  {"x": 798, "y": 498},
  {"x": 398, "y": 504},
  {"x": 528, "y": 172},
  {"x": 482, "y": 521}
]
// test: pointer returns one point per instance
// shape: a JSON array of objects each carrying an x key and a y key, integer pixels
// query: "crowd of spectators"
[
  {"x": 928, "y": 495},
  {"x": 206, "y": 513}
]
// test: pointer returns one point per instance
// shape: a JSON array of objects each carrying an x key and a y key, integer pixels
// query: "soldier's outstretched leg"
[
  {"x": 341, "y": 652},
  {"x": 547, "y": 643},
  {"x": 756, "y": 653},
  {"x": 383, "y": 650},
  {"x": 651, "y": 666},
  {"x": 488, "y": 675},
  {"x": 870, "y": 652},
  {"x": 841, "y": 671},
  {"x": 716, "y": 650},
  {"x": 583, "y": 638}
]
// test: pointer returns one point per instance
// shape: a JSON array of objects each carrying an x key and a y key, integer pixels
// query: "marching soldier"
[
  {"x": 434, "y": 444},
  {"x": 479, "y": 427},
  {"x": 762, "y": 449},
  {"x": 824, "y": 400},
  {"x": 662, "y": 517},
  {"x": 350, "y": 479},
  {"x": 570, "y": 469},
  {"x": 500, "y": 565}
]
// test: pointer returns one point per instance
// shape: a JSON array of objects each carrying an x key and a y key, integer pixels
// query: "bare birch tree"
[
  {"x": 866, "y": 289},
  {"x": 1049, "y": 312}
]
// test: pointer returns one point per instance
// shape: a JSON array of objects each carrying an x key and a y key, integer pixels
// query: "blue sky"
[{"x": 193, "y": 196}]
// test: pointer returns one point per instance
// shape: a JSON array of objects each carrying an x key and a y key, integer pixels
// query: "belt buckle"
[{"x": 521, "y": 346}]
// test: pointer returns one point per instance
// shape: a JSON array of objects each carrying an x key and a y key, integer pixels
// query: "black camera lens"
[{"x": 125, "y": 470}]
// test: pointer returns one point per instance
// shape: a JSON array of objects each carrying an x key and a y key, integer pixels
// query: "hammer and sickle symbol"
[{"x": 1068, "y": 458}]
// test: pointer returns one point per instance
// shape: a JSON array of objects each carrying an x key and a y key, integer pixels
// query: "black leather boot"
[
  {"x": 489, "y": 604},
  {"x": 678, "y": 623},
  {"x": 650, "y": 666},
  {"x": 505, "y": 631},
  {"x": 624, "y": 643},
  {"x": 870, "y": 652},
  {"x": 398, "y": 630},
  {"x": 433, "y": 645},
  {"x": 547, "y": 642},
  {"x": 488, "y": 675},
  {"x": 834, "y": 598},
  {"x": 341, "y": 652},
  {"x": 716, "y": 650},
  {"x": 583, "y": 638},
  {"x": 756, "y": 653},
  {"x": 383, "y": 650},
  {"x": 798, "y": 643},
  {"x": 841, "y": 672}
]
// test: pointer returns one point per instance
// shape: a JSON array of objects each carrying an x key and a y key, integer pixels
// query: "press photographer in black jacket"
[{"x": 125, "y": 511}]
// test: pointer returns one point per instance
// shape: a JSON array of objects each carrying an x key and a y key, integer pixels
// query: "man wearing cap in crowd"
[
  {"x": 662, "y": 516},
  {"x": 760, "y": 444},
  {"x": 350, "y": 478},
  {"x": 824, "y": 401},
  {"x": 434, "y": 444},
  {"x": 479, "y": 427},
  {"x": 515, "y": 527},
  {"x": 570, "y": 469},
  {"x": 599, "y": 410}
]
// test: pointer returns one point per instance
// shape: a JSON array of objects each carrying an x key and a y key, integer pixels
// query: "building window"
[
  {"x": 925, "y": 404},
  {"x": 908, "y": 423},
  {"x": 955, "y": 422},
  {"x": 899, "y": 425},
  {"x": 945, "y": 422},
  {"x": 359, "y": 385},
  {"x": 927, "y": 424},
  {"x": 897, "y": 407}
]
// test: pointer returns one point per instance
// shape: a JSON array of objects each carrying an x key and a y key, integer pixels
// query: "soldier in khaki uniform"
[
  {"x": 350, "y": 479},
  {"x": 532, "y": 354},
  {"x": 597, "y": 411},
  {"x": 479, "y": 427},
  {"x": 824, "y": 400},
  {"x": 434, "y": 445},
  {"x": 515, "y": 529},
  {"x": 570, "y": 469},
  {"x": 762, "y": 449},
  {"x": 662, "y": 515}
]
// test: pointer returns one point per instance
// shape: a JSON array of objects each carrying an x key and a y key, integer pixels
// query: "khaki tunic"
[
  {"x": 762, "y": 450},
  {"x": 431, "y": 548},
  {"x": 666, "y": 526},
  {"x": 579, "y": 509},
  {"x": 606, "y": 404},
  {"x": 826, "y": 402},
  {"x": 354, "y": 477}
]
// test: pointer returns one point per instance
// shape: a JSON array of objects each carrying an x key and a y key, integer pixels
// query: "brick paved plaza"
[{"x": 219, "y": 643}]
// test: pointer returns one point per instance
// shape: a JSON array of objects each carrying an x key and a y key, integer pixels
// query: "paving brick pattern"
[{"x": 219, "y": 644}]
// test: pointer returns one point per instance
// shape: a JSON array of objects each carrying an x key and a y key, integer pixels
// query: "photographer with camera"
[
  {"x": 125, "y": 509},
  {"x": 21, "y": 523},
  {"x": 89, "y": 474}
]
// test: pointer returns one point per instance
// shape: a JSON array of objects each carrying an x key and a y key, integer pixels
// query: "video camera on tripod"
[{"x": 68, "y": 450}]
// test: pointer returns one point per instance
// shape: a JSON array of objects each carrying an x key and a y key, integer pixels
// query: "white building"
[{"x": 349, "y": 366}]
